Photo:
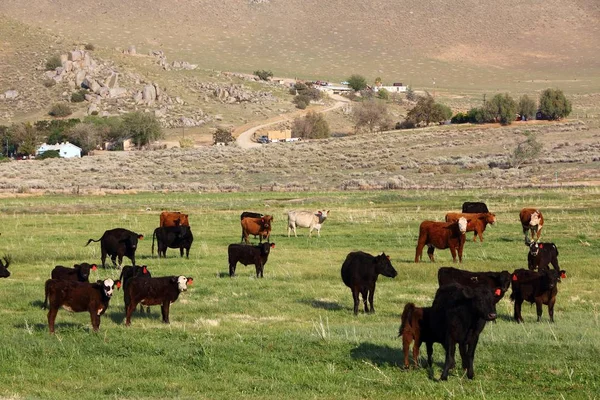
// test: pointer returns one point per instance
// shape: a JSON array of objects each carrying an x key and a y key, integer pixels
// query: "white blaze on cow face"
[
  {"x": 108, "y": 287},
  {"x": 535, "y": 219},
  {"x": 182, "y": 283},
  {"x": 462, "y": 224}
]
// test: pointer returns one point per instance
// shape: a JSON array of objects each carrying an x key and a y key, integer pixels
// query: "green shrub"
[
  {"x": 302, "y": 101},
  {"x": 48, "y": 154},
  {"x": 90, "y": 47},
  {"x": 53, "y": 63},
  {"x": 554, "y": 105},
  {"x": 502, "y": 108},
  {"x": 383, "y": 94},
  {"x": 222, "y": 135},
  {"x": 526, "y": 107},
  {"x": 263, "y": 75},
  {"x": 186, "y": 143},
  {"x": 79, "y": 96},
  {"x": 312, "y": 126},
  {"x": 357, "y": 82},
  {"x": 49, "y": 83},
  {"x": 460, "y": 118},
  {"x": 59, "y": 110}
]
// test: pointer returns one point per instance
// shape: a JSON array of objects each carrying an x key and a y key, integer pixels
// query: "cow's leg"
[
  {"x": 95, "y": 320},
  {"x": 538, "y": 309},
  {"x": 310, "y": 231},
  {"x": 419, "y": 252},
  {"x": 554, "y": 263},
  {"x": 551, "y": 308},
  {"x": 355, "y": 297},
  {"x": 130, "y": 309},
  {"x": 449, "y": 363},
  {"x": 103, "y": 258},
  {"x": 319, "y": 232},
  {"x": 371, "y": 294},
  {"x": 165, "y": 311},
  {"x": 232, "y": 265},
  {"x": 462, "y": 349},
  {"x": 517, "y": 314},
  {"x": 453, "y": 252},
  {"x": 407, "y": 338},
  {"x": 430, "y": 250},
  {"x": 365, "y": 293},
  {"x": 51, "y": 318},
  {"x": 461, "y": 245},
  {"x": 429, "y": 346}
]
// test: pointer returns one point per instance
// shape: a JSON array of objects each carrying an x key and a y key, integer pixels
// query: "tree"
[
  {"x": 479, "y": 115},
  {"x": 526, "y": 107},
  {"x": 370, "y": 115},
  {"x": 142, "y": 128},
  {"x": 263, "y": 74},
  {"x": 312, "y": 126},
  {"x": 357, "y": 82},
  {"x": 428, "y": 111},
  {"x": 26, "y": 137},
  {"x": 410, "y": 94},
  {"x": 383, "y": 94},
  {"x": 502, "y": 108},
  {"x": 85, "y": 135},
  {"x": 554, "y": 105},
  {"x": 529, "y": 149},
  {"x": 301, "y": 101},
  {"x": 378, "y": 81}
]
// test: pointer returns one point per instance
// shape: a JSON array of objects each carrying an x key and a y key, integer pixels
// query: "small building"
[
  {"x": 65, "y": 149},
  {"x": 279, "y": 136}
]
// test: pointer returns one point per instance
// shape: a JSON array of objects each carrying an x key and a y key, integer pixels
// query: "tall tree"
[
  {"x": 357, "y": 82},
  {"x": 428, "y": 111},
  {"x": 554, "y": 105},
  {"x": 526, "y": 107},
  {"x": 142, "y": 128},
  {"x": 312, "y": 126},
  {"x": 503, "y": 108},
  {"x": 371, "y": 115}
]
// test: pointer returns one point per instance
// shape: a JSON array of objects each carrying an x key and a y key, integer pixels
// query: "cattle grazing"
[
  {"x": 118, "y": 242},
  {"x": 474, "y": 207},
  {"x": 260, "y": 227},
  {"x": 360, "y": 271},
  {"x": 155, "y": 291},
  {"x": 4, "y": 272},
  {"x": 476, "y": 223},
  {"x": 541, "y": 255},
  {"x": 79, "y": 297},
  {"x": 175, "y": 237},
  {"x": 497, "y": 282},
  {"x": 532, "y": 220},
  {"x": 441, "y": 235},
  {"x": 173, "y": 218},
  {"x": 245, "y": 254},
  {"x": 306, "y": 219},
  {"x": 127, "y": 274},
  {"x": 457, "y": 316},
  {"x": 535, "y": 287}
]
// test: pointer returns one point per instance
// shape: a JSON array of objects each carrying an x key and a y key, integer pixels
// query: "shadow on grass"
[
  {"x": 118, "y": 316},
  {"x": 378, "y": 355},
  {"x": 324, "y": 305},
  {"x": 37, "y": 304},
  {"x": 58, "y": 326}
]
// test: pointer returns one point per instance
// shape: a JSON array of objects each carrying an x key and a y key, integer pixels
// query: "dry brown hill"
[{"x": 460, "y": 43}]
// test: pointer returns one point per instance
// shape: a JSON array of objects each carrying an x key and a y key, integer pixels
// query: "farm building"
[
  {"x": 279, "y": 136},
  {"x": 65, "y": 149}
]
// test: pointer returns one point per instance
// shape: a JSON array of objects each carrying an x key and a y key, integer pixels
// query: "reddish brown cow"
[
  {"x": 476, "y": 222},
  {"x": 260, "y": 227},
  {"x": 441, "y": 235},
  {"x": 173, "y": 218},
  {"x": 533, "y": 221}
]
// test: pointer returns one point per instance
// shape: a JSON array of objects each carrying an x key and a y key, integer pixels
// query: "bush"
[
  {"x": 460, "y": 118},
  {"x": 479, "y": 115},
  {"x": 554, "y": 105},
  {"x": 53, "y": 63},
  {"x": 48, "y": 154},
  {"x": 90, "y": 47},
  {"x": 222, "y": 135},
  {"x": 410, "y": 94},
  {"x": 526, "y": 150},
  {"x": 141, "y": 127},
  {"x": 186, "y": 143},
  {"x": 49, "y": 83},
  {"x": 302, "y": 101},
  {"x": 357, "y": 82},
  {"x": 79, "y": 96},
  {"x": 263, "y": 75},
  {"x": 428, "y": 111},
  {"x": 312, "y": 126},
  {"x": 383, "y": 94},
  {"x": 302, "y": 89},
  {"x": 502, "y": 108},
  {"x": 370, "y": 115},
  {"x": 60, "y": 110},
  {"x": 406, "y": 124},
  {"x": 526, "y": 107},
  {"x": 85, "y": 135}
]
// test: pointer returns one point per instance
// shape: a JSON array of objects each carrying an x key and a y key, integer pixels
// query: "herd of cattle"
[{"x": 462, "y": 305}]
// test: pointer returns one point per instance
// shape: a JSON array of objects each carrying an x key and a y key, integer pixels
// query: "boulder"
[
  {"x": 103, "y": 92},
  {"x": 79, "y": 78},
  {"x": 149, "y": 94},
  {"x": 11, "y": 94},
  {"x": 117, "y": 92},
  {"x": 138, "y": 97},
  {"x": 92, "y": 108},
  {"x": 75, "y": 55},
  {"x": 68, "y": 65},
  {"x": 131, "y": 50},
  {"x": 91, "y": 84},
  {"x": 112, "y": 81}
]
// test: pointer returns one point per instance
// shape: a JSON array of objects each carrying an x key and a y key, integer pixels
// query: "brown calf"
[
  {"x": 260, "y": 227},
  {"x": 532, "y": 220},
  {"x": 476, "y": 222},
  {"x": 441, "y": 235},
  {"x": 173, "y": 218}
]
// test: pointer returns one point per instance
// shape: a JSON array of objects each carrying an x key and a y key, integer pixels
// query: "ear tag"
[
  {"x": 563, "y": 275},
  {"x": 118, "y": 284},
  {"x": 190, "y": 281},
  {"x": 94, "y": 267},
  {"x": 498, "y": 292},
  {"x": 541, "y": 246},
  {"x": 514, "y": 278}
]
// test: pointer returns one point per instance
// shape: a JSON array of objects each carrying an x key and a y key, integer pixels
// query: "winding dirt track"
[{"x": 245, "y": 133}]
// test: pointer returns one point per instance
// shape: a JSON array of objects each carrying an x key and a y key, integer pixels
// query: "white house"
[{"x": 65, "y": 149}]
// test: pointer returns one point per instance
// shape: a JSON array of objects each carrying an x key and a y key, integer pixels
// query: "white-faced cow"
[
  {"x": 79, "y": 297},
  {"x": 118, "y": 242},
  {"x": 306, "y": 219},
  {"x": 360, "y": 271},
  {"x": 441, "y": 235},
  {"x": 541, "y": 255},
  {"x": 532, "y": 221},
  {"x": 161, "y": 291}
]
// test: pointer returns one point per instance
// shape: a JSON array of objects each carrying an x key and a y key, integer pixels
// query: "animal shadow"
[
  {"x": 378, "y": 355},
  {"x": 37, "y": 303},
  {"x": 223, "y": 274},
  {"x": 324, "y": 305},
  {"x": 118, "y": 317},
  {"x": 44, "y": 327}
]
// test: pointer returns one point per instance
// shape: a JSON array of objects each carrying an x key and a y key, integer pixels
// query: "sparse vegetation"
[
  {"x": 554, "y": 104},
  {"x": 301, "y": 101},
  {"x": 410, "y": 94},
  {"x": 90, "y": 47},
  {"x": 49, "y": 83},
  {"x": 527, "y": 150},
  {"x": 78, "y": 96},
  {"x": 53, "y": 63},
  {"x": 141, "y": 128},
  {"x": 371, "y": 115},
  {"x": 263, "y": 75},
  {"x": 357, "y": 82},
  {"x": 186, "y": 143},
  {"x": 311, "y": 126},
  {"x": 223, "y": 135},
  {"x": 526, "y": 107},
  {"x": 60, "y": 110},
  {"x": 383, "y": 94}
]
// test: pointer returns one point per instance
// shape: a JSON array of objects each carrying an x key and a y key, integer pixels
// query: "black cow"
[
  {"x": 247, "y": 254},
  {"x": 541, "y": 255},
  {"x": 535, "y": 287},
  {"x": 250, "y": 214},
  {"x": 129, "y": 272},
  {"x": 154, "y": 291},
  {"x": 360, "y": 271},
  {"x": 498, "y": 282},
  {"x": 118, "y": 242},
  {"x": 175, "y": 237},
  {"x": 4, "y": 272},
  {"x": 474, "y": 207},
  {"x": 460, "y": 312},
  {"x": 79, "y": 297},
  {"x": 79, "y": 272}
]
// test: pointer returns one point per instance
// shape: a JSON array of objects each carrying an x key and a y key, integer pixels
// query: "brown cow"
[
  {"x": 441, "y": 235},
  {"x": 173, "y": 218},
  {"x": 533, "y": 221},
  {"x": 260, "y": 227},
  {"x": 476, "y": 222}
]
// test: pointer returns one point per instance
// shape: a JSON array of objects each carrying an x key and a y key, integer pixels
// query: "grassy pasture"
[{"x": 292, "y": 334}]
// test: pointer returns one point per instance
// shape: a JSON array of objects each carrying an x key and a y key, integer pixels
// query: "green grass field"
[{"x": 292, "y": 334}]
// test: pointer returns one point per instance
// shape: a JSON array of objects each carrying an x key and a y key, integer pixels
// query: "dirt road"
[{"x": 245, "y": 133}]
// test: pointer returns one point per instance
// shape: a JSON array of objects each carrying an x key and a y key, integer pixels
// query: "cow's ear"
[
  {"x": 100, "y": 281},
  {"x": 94, "y": 267},
  {"x": 141, "y": 237},
  {"x": 514, "y": 277}
]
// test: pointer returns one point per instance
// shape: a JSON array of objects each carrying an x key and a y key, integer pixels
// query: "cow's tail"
[
  {"x": 409, "y": 309},
  {"x": 92, "y": 240},
  {"x": 153, "y": 236},
  {"x": 46, "y": 289}
]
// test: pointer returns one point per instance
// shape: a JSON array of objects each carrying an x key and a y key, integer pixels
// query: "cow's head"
[
  {"x": 265, "y": 248},
  {"x": 182, "y": 282},
  {"x": 482, "y": 299},
  {"x": 109, "y": 285},
  {"x": 534, "y": 247},
  {"x": 383, "y": 266},
  {"x": 535, "y": 219},
  {"x": 84, "y": 270},
  {"x": 322, "y": 215},
  {"x": 490, "y": 218},
  {"x": 462, "y": 225}
]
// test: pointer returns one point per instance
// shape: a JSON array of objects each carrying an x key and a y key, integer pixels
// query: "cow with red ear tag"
[
  {"x": 79, "y": 297},
  {"x": 161, "y": 291},
  {"x": 128, "y": 273}
]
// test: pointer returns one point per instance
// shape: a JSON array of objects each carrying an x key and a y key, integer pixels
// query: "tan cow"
[
  {"x": 476, "y": 222},
  {"x": 306, "y": 219}
]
